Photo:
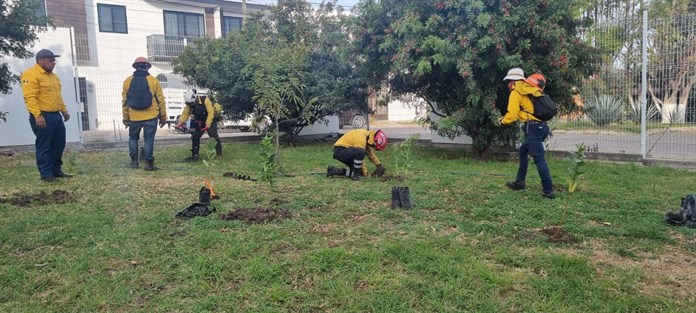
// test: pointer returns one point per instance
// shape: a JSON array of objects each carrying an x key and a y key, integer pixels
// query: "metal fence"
[{"x": 642, "y": 99}]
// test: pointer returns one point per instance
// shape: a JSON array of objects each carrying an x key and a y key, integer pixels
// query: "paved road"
[{"x": 675, "y": 144}]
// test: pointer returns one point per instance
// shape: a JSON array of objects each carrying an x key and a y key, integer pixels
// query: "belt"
[
  {"x": 42, "y": 112},
  {"x": 536, "y": 122}
]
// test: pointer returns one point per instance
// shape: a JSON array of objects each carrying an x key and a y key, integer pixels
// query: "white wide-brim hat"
[{"x": 514, "y": 74}]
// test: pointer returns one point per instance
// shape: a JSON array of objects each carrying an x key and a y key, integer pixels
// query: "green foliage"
[
  {"x": 634, "y": 113},
  {"x": 454, "y": 54},
  {"x": 402, "y": 156},
  {"x": 577, "y": 168},
  {"x": 209, "y": 153},
  {"x": 344, "y": 249},
  {"x": 269, "y": 165},
  {"x": 290, "y": 46},
  {"x": 20, "y": 22},
  {"x": 604, "y": 109}
]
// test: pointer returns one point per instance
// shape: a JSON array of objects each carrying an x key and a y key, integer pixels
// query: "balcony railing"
[{"x": 161, "y": 48}]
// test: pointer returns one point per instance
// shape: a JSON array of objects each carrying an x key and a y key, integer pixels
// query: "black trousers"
[
  {"x": 212, "y": 133},
  {"x": 348, "y": 156}
]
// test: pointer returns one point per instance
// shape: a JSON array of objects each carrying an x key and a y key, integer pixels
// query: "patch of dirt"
[
  {"x": 664, "y": 273},
  {"x": 256, "y": 216},
  {"x": 557, "y": 234},
  {"x": 389, "y": 178},
  {"x": 42, "y": 198}
]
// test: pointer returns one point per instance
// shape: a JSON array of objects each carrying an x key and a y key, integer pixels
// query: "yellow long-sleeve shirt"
[
  {"x": 361, "y": 139},
  {"x": 42, "y": 91},
  {"x": 520, "y": 105},
  {"x": 158, "y": 107},
  {"x": 208, "y": 107}
]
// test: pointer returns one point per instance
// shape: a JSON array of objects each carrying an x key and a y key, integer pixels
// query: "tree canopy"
[
  {"x": 310, "y": 47},
  {"x": 454, "y": 54},
  {"x": 20, "y": 22}
]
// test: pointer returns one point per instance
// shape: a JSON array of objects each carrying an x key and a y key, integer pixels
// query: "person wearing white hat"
[{"x": 520, "y": 108}]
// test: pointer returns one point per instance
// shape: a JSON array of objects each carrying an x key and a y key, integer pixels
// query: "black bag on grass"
[
  {"x": 686, "y": 215},
  {"x": 196, "y": 209}
]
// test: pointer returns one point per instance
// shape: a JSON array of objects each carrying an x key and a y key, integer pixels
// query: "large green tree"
[
  {"x": 330, "y": 77},
  {"x": 455, "y": 53},
  {"x": 20, "y": 22}
]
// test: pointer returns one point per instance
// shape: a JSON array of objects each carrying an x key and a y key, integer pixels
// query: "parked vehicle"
[
  {"x": 353, "y": 118},
  {"x": 247, "y": 124}
]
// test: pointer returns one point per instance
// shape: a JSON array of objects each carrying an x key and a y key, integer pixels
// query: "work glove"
[
  {"x": 162, "y": 123},
  {"x": 379, "y": 171},
  {"x": 126, "y": 123}
]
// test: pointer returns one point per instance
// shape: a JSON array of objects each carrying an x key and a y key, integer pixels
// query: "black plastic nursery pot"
[
  {"x": 204, "y": 195},
  {"x": 401, "y": 198}
]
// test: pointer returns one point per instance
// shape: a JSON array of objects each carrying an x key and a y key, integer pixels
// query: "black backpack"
[
  {"x": 544, "y": 107},
  {"x": 686, "y": 215},
  {"x": 139, "y": 96}
]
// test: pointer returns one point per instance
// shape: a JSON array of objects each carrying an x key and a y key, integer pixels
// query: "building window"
[
  {"x": 182, "y": 24},
  {"x": 230, "y": 24},
  {"x": 163, "y": 80},
  {"x": 112, "y": 18}
]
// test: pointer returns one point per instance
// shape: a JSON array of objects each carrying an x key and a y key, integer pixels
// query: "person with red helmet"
[
  {"x": 351, "y": 150},
  {"x": 520, "y": 107},
  {"x": 142, "y": 106}
]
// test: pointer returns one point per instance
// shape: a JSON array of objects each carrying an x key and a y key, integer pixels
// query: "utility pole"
[{"x": 244, "y": 13}]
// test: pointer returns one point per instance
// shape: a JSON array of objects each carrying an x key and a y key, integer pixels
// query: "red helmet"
[
  {"x": 141, "y": 60},
  {"x": 536, "y": 80},
  {"x": 380, "y": 140}
]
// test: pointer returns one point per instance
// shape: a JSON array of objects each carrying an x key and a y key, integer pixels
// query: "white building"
[{"x": 109, "y": 35}]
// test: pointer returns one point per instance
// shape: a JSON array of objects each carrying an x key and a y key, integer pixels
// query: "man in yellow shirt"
[
  {"x": 143, "y": 104},
  {"x": 352, "y": 148},
  {"x": 520, "y": 107},
  {"x": 47, "y": 114},
  {"x": 203, "y": 118}
]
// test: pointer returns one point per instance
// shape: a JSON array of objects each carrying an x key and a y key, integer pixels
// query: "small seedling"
[
  {"x": 269, "y": 166},
  {"x": 577, "y": 169}
]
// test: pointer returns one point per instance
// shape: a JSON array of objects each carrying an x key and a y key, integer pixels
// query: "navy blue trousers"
[
  {"x": 50, "y": 143},
  {"x": 534, "y": 136}
]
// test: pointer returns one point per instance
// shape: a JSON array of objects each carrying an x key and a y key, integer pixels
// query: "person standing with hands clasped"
[
  {"x": 520, "y": 107},
  {"x": 143, "y": 103},
  {"x": 47, "y": 114}
]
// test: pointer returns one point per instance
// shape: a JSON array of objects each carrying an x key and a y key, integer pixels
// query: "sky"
[{"x": 346, "y": 3}]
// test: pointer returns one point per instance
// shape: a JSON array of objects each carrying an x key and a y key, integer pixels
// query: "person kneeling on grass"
[{"x": 352, "y": 148}]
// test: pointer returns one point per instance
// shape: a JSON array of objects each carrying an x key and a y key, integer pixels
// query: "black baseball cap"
[{"x": 45, "y": 53}]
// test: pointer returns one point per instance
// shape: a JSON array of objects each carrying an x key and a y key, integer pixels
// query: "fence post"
[{"x": 644, "y": 85}]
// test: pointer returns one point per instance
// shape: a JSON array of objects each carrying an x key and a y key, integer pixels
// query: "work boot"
[
  {"x": 357, "y": 175},
  {"x": 218, "y": 151},
  {"x": 549, "y": 194},
  {"x": 150, "y": 166},
  {"x": 515, "y": 185},
  {"x": 331, "y": 171},
  {"x": 134, "y": 162}
]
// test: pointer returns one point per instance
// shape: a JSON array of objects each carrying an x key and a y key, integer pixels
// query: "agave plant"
[
  {"x": 604, "y": 109},
  {"x": 634, "y": 112}
]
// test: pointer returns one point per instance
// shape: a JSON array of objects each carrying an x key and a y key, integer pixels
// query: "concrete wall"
[{"x": 16, "y": 131}]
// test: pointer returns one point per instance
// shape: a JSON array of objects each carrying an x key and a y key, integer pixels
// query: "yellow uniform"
[
  {"x": 208, "y": 108},
  {"x": 520, "y": 98},
  {"x": 360, "y": 139},
  {"x": 158, "y": 107},
  {"x": 42, "y": 91}
]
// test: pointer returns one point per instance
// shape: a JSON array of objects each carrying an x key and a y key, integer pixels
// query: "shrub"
[
  {"x": 604, "y": 109},
  {"x": 634, "y": 112}
]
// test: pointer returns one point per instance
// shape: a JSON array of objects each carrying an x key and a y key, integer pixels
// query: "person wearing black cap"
[{"x": 47, "y": 114}]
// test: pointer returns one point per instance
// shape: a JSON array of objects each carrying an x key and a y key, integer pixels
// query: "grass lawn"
[{"x": 469, "y": 244}]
